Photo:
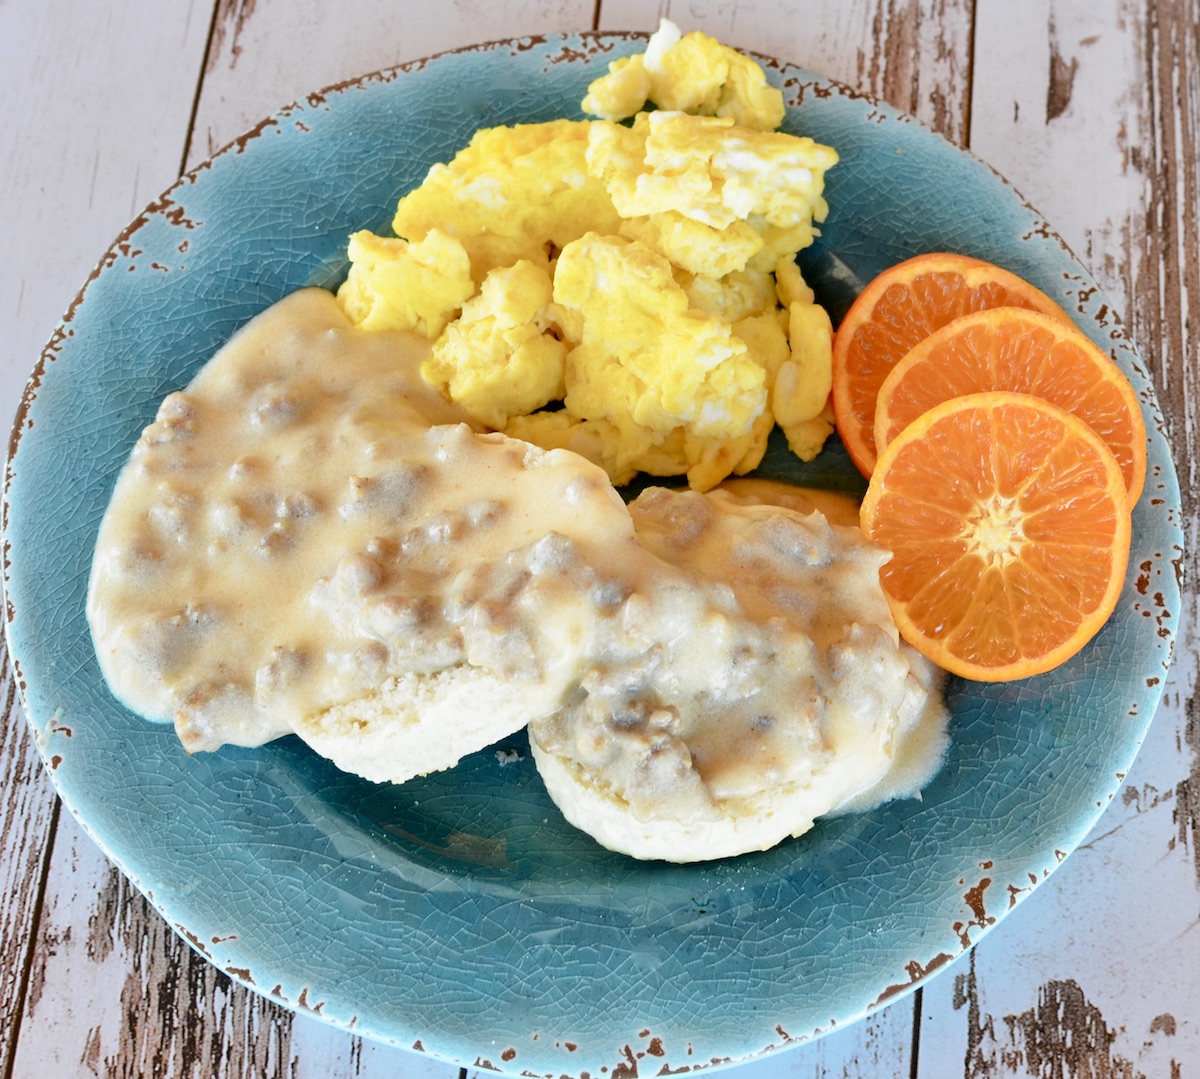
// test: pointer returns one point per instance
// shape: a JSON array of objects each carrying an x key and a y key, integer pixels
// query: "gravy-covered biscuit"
[
  {"x": 757, "y": 687},
  {"x": 292, "y": 547}
]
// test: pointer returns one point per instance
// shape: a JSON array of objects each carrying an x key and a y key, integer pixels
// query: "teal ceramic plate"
[{"x": 459, "y": 914}]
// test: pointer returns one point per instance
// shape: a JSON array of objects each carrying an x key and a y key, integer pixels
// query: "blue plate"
[{"x": 459, "y": 914}]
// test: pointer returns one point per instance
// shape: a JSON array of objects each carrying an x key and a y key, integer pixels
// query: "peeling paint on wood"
[
  {"x": 1061, "y": 1034},
  {"x": 919, "y": 39},
  {"x": 1163, "y": 281},
  {"x": 186, "y": 1018},
  {"x": 1187, "y": 792},
  {"x": 1061, "y": 82},
  {"x": 27, "y": 814},
  {"x": 230, "y": 19}
]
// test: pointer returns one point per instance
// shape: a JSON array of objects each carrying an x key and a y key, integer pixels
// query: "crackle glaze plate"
[{"x": 459, "y": 915}]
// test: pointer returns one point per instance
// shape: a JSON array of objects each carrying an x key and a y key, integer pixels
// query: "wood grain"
[
  {"x": 27, "y": 815},
  {"x": 259, "y": 61},
  {"x": 75, "y": 168},
  {"x": 152, "y": 1007}
]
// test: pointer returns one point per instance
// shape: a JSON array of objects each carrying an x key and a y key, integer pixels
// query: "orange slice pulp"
[{"x": 1008, "y": 522}]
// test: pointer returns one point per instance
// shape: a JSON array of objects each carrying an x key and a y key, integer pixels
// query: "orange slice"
[
  {"x": 1009, "y": 529},
  {"x": 896, "y": 310},
  {"x": 1009, "y": 348}
]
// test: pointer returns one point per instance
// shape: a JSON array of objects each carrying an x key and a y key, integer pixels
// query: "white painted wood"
[
  {"x": 27, "y": 811},
  {"x": 82, "y": 145},
  {"x": 116, "y": 992},
  {"x": 86, "y": 146},
  {"x": 1053, "y": 111},
  {"x": 269, "y": 53}
]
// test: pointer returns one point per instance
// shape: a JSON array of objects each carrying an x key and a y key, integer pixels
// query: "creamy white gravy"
[{"x": 309, "y": 539}]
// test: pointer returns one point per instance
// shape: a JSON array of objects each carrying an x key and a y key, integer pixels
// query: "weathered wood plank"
[
  {"x": 262, "y": 57},
  {"x": 114, "y": 992},
  {"x": 27, "y": 813},
  {"x": 76, "y": 166},
  {"x": 1099, "y": 126},
  {"x": 64, "y": 196}
]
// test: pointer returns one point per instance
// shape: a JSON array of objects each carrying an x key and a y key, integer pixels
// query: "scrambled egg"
[
  {"x": 687, "y": 73},
  {"x": 651, "y": 368},
  {"x": 710, "y": 195},
  {"x": 638, "y": 277},
  {"x": 512, "y": 193},
  {"x": 709, "y": 170},
  {"x": 394, "y": 285},
  {"x": 499, "y": 358}
]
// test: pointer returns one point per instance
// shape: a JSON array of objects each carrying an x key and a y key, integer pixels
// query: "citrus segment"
[
  {"x": 1009, "y": 528},
  {"x": 1010, "y": 348},
  {"x": 900, "y": 307}
]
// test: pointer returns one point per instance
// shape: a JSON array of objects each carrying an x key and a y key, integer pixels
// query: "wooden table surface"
[{"x": 1090, "y": 107}]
